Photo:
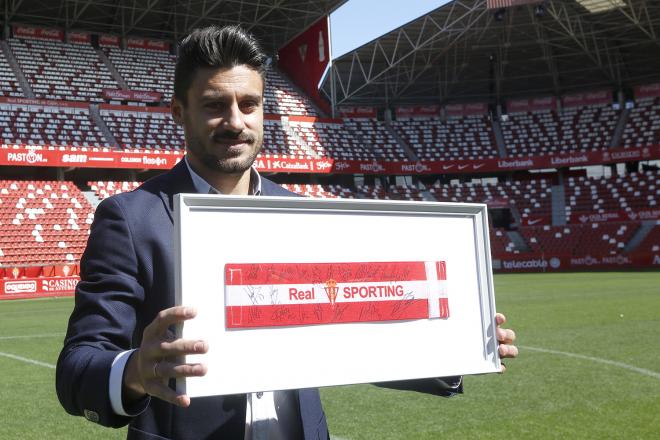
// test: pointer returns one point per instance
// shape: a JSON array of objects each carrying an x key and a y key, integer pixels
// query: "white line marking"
[
  {"x": 42, "y": 335},
  {"x": 334, "y": 437},
  {"x": 29, "y": 361},
  {"x": 643, "y": 371}
]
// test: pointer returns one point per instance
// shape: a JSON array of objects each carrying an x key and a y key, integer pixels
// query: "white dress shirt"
[{"x": 269, "y": 415}]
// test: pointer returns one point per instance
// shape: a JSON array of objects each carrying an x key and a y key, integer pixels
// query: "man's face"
[{"x": 223, "y": 119}]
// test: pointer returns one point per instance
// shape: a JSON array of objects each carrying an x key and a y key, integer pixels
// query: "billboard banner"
[
  {"x": 602, "y": 97},
  {"x": 417, "y": 111},
  {"x": 88, "y": 157},
  {"x": 531, "y": 104},
  {"x": 79, "y": 37},
  {"x": 291, "y": 165},
  {"x": 647, "y": 91},
  {"x": 132, "y": 95},
  {"x": 550, "y": 263},
  {"x": 109, "y": 40},
  {"x": 475, "y": 108},
  {"x": 146, "y": 43},
  {"x": 38, "y": 33},
  {"x": 358, "y": 112},
  {"x": 37, "y": 287},
  {"x": 614, "y": 216},
  {"x": 29, "y": 155}
]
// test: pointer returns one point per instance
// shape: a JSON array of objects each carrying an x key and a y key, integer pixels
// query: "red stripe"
[
  {"x": 314, "y": 314},
  {"x": 319, "y": 273}
]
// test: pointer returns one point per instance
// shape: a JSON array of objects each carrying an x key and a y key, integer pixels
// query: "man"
[{"x": 119, "y": 354}]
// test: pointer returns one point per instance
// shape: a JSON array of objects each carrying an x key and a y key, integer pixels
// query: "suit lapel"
[{"x": 177, "y": 181}]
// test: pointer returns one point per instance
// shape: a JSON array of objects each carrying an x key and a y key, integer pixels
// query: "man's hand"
[
  {"x": 157, "y": 360},
  {"x": 505, "y": 337}
]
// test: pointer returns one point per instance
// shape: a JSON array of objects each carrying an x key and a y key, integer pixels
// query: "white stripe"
[
  {"x": 43, "y": 335},
  {"x": 643, "y": 371},
  {"x": 262, "y": 294},
  {"x": 434, "y": 288},
  {"x": 334, "y": 437},
  {"x": 29, "y": 361}
]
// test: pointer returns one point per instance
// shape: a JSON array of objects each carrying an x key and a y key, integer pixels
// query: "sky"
[{"x": 359, "y": 21}]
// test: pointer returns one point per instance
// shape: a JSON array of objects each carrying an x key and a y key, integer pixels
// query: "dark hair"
[{"x": 216, "y": 47}]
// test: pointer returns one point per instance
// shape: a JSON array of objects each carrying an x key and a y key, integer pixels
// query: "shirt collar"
[{"x": 203, "y": 187}]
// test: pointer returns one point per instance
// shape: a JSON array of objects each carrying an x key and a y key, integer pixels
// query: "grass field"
[{"x": 589, "y": 368}]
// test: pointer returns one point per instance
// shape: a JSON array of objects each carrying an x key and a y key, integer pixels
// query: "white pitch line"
[
  {"x": 629, "y": 367},
  {"x": 29, "y": 361},
  {"x": 42, "y": 335}
]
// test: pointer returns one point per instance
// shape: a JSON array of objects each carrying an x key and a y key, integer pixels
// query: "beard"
[{"x": 227, "y": 161}]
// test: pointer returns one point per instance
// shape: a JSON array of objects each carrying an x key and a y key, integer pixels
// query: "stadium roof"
[
  {"x": 274, "y": 22},
  {"x": 464, "y": 51}
]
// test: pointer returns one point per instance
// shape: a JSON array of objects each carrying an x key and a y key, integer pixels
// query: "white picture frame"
[{"x": 212, "y": 231}]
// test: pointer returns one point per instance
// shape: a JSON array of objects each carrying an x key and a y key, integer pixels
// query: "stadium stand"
[
  {"x": 630, "y": 193},
  {"x": 373, "y": 134},
  {"x": 579, "y": 240},
  {"x": 643, "y": 127},
  {"x": 313, "y": 139},
  {"x": 457, "y": 138},
  {"x": 8, "y": 83},
  {"x": 145, "y": 69},
  {"x": 281, "y": 98},
  {"x": 104, "y": 189},
  {"x": 43, "y": 222},
  {"x": 651, "y": 243},
  {"x": 579, "y": 129},
  {"x": 532, "y": 197},
  {"x": 500, "y": 244},
  {"x": 48, "y": 125},
  {"x": 405, "y": 192},
  {"x": 47, "y": 221},
  {"x": 321, "y": 191},
  {"x": 143, "y": 129},
  {"x": 61, "y": 71}
]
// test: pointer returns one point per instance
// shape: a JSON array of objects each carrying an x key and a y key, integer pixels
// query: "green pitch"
[{"x": 589, "y": 368}]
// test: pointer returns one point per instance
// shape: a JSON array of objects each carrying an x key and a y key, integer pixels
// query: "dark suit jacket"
[{"x": 126, "y": 279}]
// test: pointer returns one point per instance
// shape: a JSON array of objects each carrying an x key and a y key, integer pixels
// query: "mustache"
[{"x": 228, "y": 136}]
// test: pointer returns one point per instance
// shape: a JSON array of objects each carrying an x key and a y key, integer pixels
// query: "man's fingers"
[
  {"x": 500, "y": 319},
  {"x": 166, "y": 370},
  {"x": 181, "y": 347},
  {"x": 506, "y": 335},
  {"x": 507, "y": 351},
  {"x": 160, "y": 390},
  {"x": 165, "y": 318}
]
